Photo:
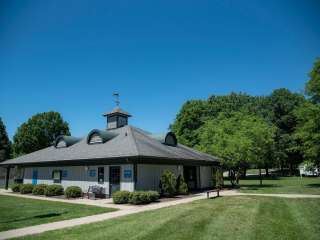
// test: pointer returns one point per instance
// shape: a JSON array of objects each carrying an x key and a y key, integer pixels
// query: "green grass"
[
  {"x": 306, "y": 185},
  {"x": 16, "y": 212},
  {"x": 242, "y": 217}
]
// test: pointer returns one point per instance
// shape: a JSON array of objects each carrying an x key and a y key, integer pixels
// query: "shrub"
[
  {"x": 182, "y": 187},
  {"x": 16, "y": 187},
  {"x": 73, "y": 192},
  {"x": 143, "y": 197},
  {"x": 135, "y": 198},
  {"x": 39, "y": 189},
  {"x": 53, "y": 190},
  {"x": 153, "y": 196},
  {"x": 26, "y": 188},
  {"x": 121, "y": 197},
  {"x": 168, "y": 183}
]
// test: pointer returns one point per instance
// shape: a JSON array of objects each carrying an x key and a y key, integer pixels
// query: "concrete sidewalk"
[{"x": 107, "y": 203}]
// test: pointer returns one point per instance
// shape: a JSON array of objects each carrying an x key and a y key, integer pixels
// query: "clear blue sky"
[{"x": 70, "y": 56}]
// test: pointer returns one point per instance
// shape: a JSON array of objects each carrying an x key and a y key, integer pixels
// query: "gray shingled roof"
[
  {"x": 117, "y": 110},
  {"x": 129, "y": 142}
]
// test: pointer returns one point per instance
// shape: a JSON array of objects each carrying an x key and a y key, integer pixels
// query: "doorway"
[
  {"x": 114, "y": 179},
  {"x": 190, "y": 176}
]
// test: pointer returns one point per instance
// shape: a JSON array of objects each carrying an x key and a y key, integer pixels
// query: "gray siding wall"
[
  {"x": 80, "y": 176},
  {"x": 149, "y": 175},
  {"x": 206, "y": 179}
]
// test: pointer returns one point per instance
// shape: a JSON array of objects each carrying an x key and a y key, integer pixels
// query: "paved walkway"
[
  {"x": 124, "y": 210},
  {"x": 107, "y": 203}
]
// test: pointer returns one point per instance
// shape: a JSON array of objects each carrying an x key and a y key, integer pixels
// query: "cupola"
[{"x": 117, "y": 118}]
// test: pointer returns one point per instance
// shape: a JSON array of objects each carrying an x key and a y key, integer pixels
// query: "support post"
[{"x": 7, "y": 178}]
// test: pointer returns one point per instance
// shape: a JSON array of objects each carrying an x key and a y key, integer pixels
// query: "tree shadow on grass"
[
  {"x": 41, "y": 216},
  {"x": 313, "y": 185},
  {"x": 258, "y": 186}
]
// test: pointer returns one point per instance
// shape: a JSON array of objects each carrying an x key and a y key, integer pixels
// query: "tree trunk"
[
  {"x": 267, "y": 171},
  {"x": 260, "y": 175},
  {"x": 245, "y": 173}
]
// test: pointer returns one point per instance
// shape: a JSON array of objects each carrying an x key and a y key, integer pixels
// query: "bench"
[
  {"x": 211, "y": 191},
  {"x": 95, "y": 192}
]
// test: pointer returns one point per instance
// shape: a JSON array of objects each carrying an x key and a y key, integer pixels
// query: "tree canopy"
[
  {"x": 308, "y": 131},
  {"x": 238, "y": 140},
  {"x": 5, "y": 145},
  {"x": 313, "y": 85},
  {"x": 39, "y": 132}
]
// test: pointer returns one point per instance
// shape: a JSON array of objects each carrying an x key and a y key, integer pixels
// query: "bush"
[
  {"x": 39, "y": 189},
  {"x": 53, "y": 190},
  {"x": 16, "y": 187},
  {"x": 26, "y": 188},
  {"x": 153, "y": 196},
  {"x": 143, "y": 197},
  {"x": 182, "y": 187},
  {"x": 73, "y": 192},
  {"x": 121, "y": 197},
  {"x": 168, "y": 183}
]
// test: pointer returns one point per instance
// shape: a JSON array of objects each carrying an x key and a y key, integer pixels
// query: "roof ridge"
[{"x": 134, "y": 139}]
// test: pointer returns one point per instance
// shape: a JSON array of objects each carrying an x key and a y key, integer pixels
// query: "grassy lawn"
[
  {"x": 239, "y": 217},
  {"x": 18, "y": 212},
  {"x": 306, "y": 185}
]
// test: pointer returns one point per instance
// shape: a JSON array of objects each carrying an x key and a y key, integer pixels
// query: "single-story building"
[{"x": 121, "y": 157}]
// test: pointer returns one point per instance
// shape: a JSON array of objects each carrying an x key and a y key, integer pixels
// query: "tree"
[
  {"x": 188, "y": 120},
  {"x": 39, "y": 132},
  {"x": 238, "y": 139},
  {"x": 282, "y": 104},
  {"x": 5, "y": 145},
  {"x": 312, "y": 87},
  {"x": 168, "y": 183},
  {"x": 308, "y": 131},
  {"x": 194, "y": 113}
]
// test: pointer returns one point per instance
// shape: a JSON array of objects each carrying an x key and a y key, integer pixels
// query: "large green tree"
[
  {"x": 308, "y": 131},
  {"x": 5, "y": 145},
  {"x": 282, "y": 104},
  {"x": 188, "y": 120},
  {"x": 238, "y": 140},
  {"x": 194, "y": 114},
  {"x": 313, "y": 85},
  {"x": 39, "y": 132}
]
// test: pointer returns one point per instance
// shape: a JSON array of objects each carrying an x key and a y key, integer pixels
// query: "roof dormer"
[
  {"x": 100, "y": 136},
  {"x": 65, "y": 141}
]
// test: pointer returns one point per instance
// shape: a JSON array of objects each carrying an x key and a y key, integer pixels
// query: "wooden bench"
[
  {"x": 214, "y": 190},
  {"x": 95, "y": 192}
]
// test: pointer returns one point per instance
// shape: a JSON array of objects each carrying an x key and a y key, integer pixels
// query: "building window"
[
  {"x": 56, "y": 176},
  {"x": 65, "y": 173}
]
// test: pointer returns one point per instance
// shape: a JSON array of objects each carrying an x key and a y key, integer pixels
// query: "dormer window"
[
  {"x": 169, "y": 139},
  {"x": 61, "y": 144},
  {"x": 65, "y": 141},
  {"x": 100, "y": 136},
  {"x": 95, "y": 138}
]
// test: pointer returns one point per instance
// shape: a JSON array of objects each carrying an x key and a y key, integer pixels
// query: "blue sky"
[{"x": 70, "y": 56}]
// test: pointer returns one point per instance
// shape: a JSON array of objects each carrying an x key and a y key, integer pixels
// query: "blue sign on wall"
[
  {"x": 127, "y": 173},
  {"x": 92, "y": 173}
]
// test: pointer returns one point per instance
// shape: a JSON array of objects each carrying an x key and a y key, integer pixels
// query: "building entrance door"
[
  {"x": 114, "y": 179},
  {"x": 190, "y": 176}
]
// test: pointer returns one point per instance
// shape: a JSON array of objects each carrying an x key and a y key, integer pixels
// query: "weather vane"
[{"x": 117, "y": 100}]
